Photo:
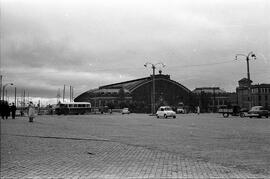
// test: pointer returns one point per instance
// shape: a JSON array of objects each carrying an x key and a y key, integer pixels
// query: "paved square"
[{"x": 135, "y": 146}]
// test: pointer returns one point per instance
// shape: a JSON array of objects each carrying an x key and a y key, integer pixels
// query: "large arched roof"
[{"x": 130, "y": 86}]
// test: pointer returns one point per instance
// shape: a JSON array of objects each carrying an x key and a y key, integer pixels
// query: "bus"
[{"x": 73, "y": 108}]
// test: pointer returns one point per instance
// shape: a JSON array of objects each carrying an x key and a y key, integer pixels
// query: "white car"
[
  {"x": 165, "y": 111},
  {"x": 125, "y": 111}
]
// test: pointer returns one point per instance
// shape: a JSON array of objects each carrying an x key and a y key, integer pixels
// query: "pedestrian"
[
  {"x": 31, "y": 111},
  {"x": 198, "y": 110},
  {"x": 6, "y": 110},
  {"x": 2, "y": 109},
  {"x": 13, "y": 110}
]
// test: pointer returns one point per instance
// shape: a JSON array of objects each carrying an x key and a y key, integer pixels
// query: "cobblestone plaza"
[{"x": 135, "y": 146}]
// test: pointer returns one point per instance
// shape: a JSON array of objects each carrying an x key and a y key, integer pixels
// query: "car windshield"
[
  {"x": 256, "y": 108},
  {"x": 168, "y": 109}
]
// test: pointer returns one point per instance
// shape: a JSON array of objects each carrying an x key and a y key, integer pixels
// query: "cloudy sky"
[{"x": 88, "y": 43}]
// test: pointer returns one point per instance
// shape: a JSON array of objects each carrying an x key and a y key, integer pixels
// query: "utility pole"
[
  {"x": 214, "y": 97},
  {"x": 248, "y": 57},
  {"x": 1, "y": 78},
  {"x": 70, "y": 93},
  {"x": 58, "y": 95},
  {"x": 153, "y": 66},
  {"x": 15, "y": 100},
  {"x": 64, "y": 93},
  {"x": 23, "y": 98},
  {"x": 154, "y": 90}
]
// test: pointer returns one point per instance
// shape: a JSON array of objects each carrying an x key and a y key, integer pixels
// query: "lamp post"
[
  {"x": 4, "y": 89},
  {"x": 248, "y": 57},
  {"x": 153, "y": 66}
]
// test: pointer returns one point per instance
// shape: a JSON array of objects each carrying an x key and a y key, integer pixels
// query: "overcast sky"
[{"x": 89, "y": 43}]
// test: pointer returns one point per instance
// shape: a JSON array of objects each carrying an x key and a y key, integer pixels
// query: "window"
[
  {"x": 266, "y": 97},
  {"x": 260, "y": 97}
]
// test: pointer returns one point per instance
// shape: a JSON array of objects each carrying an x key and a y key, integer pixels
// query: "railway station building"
[{"x": 136, "y": 94}]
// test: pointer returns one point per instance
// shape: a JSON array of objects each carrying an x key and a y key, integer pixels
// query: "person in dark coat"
[
  {"x": 2, "y": 109},
  {"x": 13, "y": 110},
  {"x": 6, "y": 110}
]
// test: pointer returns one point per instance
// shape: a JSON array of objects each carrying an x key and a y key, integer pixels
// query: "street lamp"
[
  {"x": 153, "y": 66},
  {"x": 4, "y": 89},
  {"x": 248, "y": 57}
]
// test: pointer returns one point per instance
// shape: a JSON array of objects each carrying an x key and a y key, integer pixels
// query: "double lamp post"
[
  {"x": 153, "y": 66},
  {"x": 248, "y": 57}
]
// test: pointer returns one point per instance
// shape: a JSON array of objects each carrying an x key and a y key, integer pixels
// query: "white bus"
[{"x": 73, "y": 108}]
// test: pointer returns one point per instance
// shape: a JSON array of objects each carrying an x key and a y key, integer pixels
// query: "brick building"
[
  {"x": 211, "y": 98},
  {"x": 258, "y": 95}
]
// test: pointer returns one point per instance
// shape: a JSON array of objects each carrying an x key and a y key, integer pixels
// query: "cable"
[{"x": 174, "y": 66}]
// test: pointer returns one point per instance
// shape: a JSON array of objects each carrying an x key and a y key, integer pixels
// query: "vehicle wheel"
[
  {"x": 266, "y": 116},
  {"x": 157, "y": 116},
  {"x": 242, "y": 115},
  {"x": 174, "y": 116},
  {"x": 225, "y": 115},
  {"x": 165, "y": 116}
]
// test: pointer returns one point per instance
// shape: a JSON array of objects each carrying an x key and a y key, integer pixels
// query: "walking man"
[
  {"x": 31, "y": 111},
  {"x": 198, "y": 110},
  {"x": 13, "y": 110}
]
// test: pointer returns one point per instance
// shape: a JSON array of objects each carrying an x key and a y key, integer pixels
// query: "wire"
[
  {"x": 174, "y": 66},
  {"x": 204, "y": 64}
]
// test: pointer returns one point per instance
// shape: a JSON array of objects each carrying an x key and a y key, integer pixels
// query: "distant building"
[
  {"x": 259, "y": 94},
  {"x": 243, "y": 97},
  {"x": 136, "y": 94},
  {"x": 211, "y": 98}
]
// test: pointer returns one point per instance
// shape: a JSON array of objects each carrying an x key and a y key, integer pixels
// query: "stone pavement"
[{"x": 37, "y": 156}]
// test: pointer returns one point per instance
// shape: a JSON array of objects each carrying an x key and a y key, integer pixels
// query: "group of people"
[{"x": 6, "y": 109}]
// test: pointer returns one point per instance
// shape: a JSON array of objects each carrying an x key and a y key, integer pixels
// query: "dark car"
[{"x": 258, "y": 111}]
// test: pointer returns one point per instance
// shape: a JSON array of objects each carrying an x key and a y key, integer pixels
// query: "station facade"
[{"x": 136, "y": 94}]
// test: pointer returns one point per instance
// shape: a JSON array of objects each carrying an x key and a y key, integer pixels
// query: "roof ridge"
[{"x": 105, "y": 86}]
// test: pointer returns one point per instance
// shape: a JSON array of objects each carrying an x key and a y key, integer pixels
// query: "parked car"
[
  {"x": 125, "y": 111},
  {"x": 258, "y": 111},
  {"x": 233, "y": 110},
  {"x": 243, "y": 112},
  {"x": 180, "y": 111},
  {"x": 165, "y": 111}
]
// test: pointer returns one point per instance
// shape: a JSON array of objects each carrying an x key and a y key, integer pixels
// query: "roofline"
[
  {"x": 105, "y": 86},
  {"x": 75, "y": 103},
  {"x": 178, "y": 84}
]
